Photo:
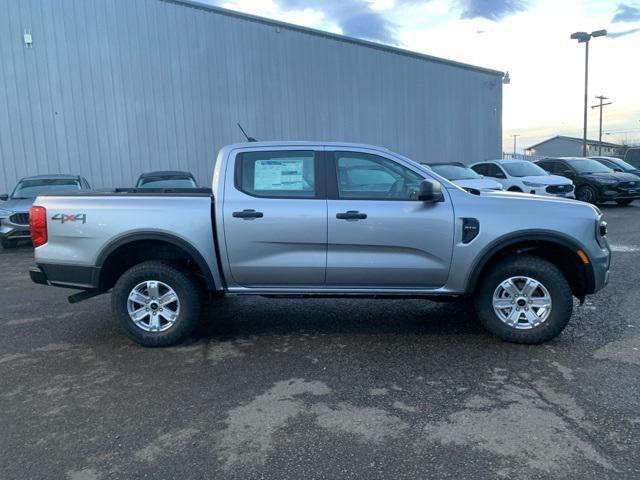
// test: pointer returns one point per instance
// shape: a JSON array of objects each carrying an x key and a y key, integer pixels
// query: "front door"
[
  {"x": 379, "y": 234},
  {"x": 275, "y": 219}
]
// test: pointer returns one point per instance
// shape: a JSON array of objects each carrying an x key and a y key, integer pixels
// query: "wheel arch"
[
  {"x": 556, "y": 247},
  {"x": 117, "y": 247}
]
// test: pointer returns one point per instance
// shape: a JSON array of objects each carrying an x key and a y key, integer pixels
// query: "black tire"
[
  {"x": 7, "y": 243},
  {"x": 587, "y": 194},
  {"x": 515, "y": 189},
  {"x": 185, "y": 288},
  {"x": 625, "y": 202},
  {"x": 540, "y": 270}
]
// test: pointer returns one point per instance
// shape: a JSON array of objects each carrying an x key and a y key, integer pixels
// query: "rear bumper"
[{"x": 69, "y": 276}]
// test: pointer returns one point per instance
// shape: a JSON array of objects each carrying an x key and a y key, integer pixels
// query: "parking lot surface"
[{"x": 320, "y": 388}]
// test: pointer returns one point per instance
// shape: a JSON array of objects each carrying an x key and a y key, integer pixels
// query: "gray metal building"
[
  {"x": 563, "y": 146},
  {"x": 111, "y": 88}
]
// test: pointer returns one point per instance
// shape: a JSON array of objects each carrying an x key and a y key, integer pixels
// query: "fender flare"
[
  {"x": 122, "y": 240},
  {"x": 528, "y": 236}
]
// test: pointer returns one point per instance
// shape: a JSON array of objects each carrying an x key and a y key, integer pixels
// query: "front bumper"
[
  {"x": 601, "y": 264},
  {"x": 10, "y": 230},
  {"x": 616, "y": 192}
]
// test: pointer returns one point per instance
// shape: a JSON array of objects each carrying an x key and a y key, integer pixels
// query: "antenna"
[{"x": 249, "y": 139}]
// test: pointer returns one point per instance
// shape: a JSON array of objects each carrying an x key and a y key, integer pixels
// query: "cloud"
[
  {"x": 627, "y": 13},
  {"x": 491, "y": 9},
  {"x": 355, "y": 18},
  {"x": 623, "y": 33}
]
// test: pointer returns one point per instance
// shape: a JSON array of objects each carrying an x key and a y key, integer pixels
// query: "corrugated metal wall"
[{"x": 112, "y": 88}]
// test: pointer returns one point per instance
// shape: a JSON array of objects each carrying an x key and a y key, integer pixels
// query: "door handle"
[
  {"x": 351, "y": 215},
  {"x": 248, "y": 214}
]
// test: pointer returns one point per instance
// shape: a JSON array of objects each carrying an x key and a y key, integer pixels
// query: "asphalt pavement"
[{"x": 320, "y": 389}]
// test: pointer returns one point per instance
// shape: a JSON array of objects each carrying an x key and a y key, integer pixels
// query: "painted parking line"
[{"x": 624, "y": 248}]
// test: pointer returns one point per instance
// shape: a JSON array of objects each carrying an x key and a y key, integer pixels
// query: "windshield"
[
  {"x": 588, "y": 165},
  {"x": 167, "y": 182},
  {"x": 455, "y": 172},
  {"x": 524, "y": 169},
  {"x": 32, "y": 188}
]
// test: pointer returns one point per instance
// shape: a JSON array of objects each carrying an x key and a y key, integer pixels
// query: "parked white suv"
[{"x": 524, "y": 176}]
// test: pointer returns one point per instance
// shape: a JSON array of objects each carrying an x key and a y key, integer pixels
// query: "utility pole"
[
  {"x": 515, "y": 136},
  {"x": 600, "y": 106},
  {"x": 584, "y": 37}
]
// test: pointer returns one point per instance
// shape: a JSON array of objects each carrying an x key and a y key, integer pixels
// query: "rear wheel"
[
  {"x": 587, "y": 194},
  {"x": 524, "y": 299},
  {"x": 156, "y": 304},
  {"x": 624, "y": 202}
]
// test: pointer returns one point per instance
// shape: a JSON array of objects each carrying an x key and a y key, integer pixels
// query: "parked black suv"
[{"x": 595, "y": 182}]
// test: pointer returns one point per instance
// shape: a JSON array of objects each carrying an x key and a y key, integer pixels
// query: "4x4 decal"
[{"x": 63, "y": 217}]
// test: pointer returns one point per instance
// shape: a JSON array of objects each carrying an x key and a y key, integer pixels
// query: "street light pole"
[
  {"x": 584, "y": 37},
  {"x": 515, "y": 136},
  {"x": 601, "y": 107},
  {"x": 586, "y": 89}
]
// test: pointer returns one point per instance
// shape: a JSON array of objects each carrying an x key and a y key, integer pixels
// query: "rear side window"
[{"x": 278, "y": 174}]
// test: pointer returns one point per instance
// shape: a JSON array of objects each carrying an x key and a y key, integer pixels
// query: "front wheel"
[
  {"x": 156, "y": 304},
  {"x": 524, "y": 299},
  {"x": 624, "y": 202},
  {"x": 587, "y": 194}
]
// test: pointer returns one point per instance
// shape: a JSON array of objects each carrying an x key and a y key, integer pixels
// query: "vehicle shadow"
[{"x": 240, "y": 317}]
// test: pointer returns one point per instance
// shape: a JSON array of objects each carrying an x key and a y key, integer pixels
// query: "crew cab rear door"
[
  {"x": 275, "y": 218},
  {"x": 379, "y": 234}
]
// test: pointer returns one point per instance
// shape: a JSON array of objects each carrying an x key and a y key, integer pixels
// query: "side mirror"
[
  {"x": 617, "y": 170},
  {"x": 568, "y": 173},
  {"x": 430, "y": 191},
  {"x": 4, "y": 197},
  {"x": 500, "y": 175}
]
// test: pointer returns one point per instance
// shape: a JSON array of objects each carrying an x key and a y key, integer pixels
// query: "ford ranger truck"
[{"x": 321, "y": 219}]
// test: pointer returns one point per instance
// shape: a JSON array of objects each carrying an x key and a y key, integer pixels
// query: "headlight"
[
  {"x": 532, "y": 184},
  {"x": 606, "y": 181}
]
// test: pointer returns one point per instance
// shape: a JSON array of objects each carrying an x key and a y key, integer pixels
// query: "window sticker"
[{"x": 279, "y": 175}]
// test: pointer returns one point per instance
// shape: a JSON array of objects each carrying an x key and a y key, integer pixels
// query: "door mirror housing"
[
  {"x": 430, "y": 191},
  {"x": 4, "y": 197},
  {"x": 500, "y": 175},
  {"x": 568, "y": 173}
]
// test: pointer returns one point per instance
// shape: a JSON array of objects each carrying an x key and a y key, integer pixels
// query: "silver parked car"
[
  {"x": 321, "y": 219},
  {"x": 14, "y": 212}
]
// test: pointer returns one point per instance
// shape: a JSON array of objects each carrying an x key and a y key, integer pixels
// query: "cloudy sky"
[{"x": 527, "y": 38}]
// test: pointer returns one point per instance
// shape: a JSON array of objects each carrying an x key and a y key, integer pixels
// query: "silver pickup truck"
[{"x": 321, "y": 219}]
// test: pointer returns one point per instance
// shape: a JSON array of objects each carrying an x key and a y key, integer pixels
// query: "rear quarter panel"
[{"x": 99, "y": 221}]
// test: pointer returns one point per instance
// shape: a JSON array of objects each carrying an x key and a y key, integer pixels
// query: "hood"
[
  {"x": 530, "y": 197},
  {"x": 17, "y": 205},
  {"x": 547, "y": 180},
  {"x": 618, "y": 176},
  {"x": 479, "y": 184}
]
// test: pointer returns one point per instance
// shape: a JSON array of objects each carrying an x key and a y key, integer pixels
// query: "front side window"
[
  {"x": 482, "y": 169},
  {"x": 284, "y": 174},
  {"x": 495, "y": 171},
  {"x": 33, "y": 188},
  {"x": 371, "y": 177}
]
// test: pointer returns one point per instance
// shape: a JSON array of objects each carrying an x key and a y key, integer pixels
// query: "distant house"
[{"x": 562, "y": 146}]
